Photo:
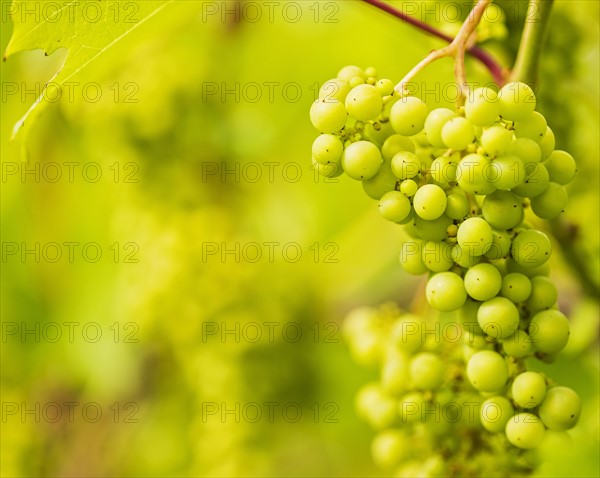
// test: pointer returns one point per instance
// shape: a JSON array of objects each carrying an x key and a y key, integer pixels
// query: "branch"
[
  {"x": 496, "y": 70},
  {"x": 532, "y": 41}
]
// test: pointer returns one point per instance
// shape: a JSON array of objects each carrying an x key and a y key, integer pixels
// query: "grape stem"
[
  {"x": 456, "y": 49},
  {"x": 496, "y": 70}
]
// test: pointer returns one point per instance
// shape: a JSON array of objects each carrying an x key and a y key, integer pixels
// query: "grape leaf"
[{"x": 86, "y": 29}]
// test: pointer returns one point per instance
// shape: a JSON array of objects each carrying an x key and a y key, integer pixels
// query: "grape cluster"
[{"x": 464, "y": 184}]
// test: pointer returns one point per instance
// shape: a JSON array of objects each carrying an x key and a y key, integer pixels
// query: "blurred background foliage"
[{"x": 169, "y": 136}]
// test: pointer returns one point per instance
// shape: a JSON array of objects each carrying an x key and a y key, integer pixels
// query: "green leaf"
[{"x": 86, "y": 29}]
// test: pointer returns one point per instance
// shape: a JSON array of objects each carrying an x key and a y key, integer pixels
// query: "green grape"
[
  {"x": 518, "y": 345},
  {"x": 561, "y": 167},
  {"x": 407, "y": 116},
  {"x": 525, "y": 430},
  {"x": 383, "y": 182},
  {"x": 481, "y": 107},
  {"x": 426, "y": 371},
  {"x": 487, "y": 371},
  {"x": 443, "y": 170},
  {"x": 502, "y": 210},
  {"x": 500, "y": 247},
  {"x": 526, "y": 149},
  {"x": 406, "y": 333},
  {"x": 472, "y": 174},
  {"x": 533, "y": 127},
  {"x": 405, "y": 165},
  {"x": 552, "y": 442},
  {"x": 394, "y": 206},
  {"x": 560, "y": 409},
  {"x": 446, "y": 292},
  {"x": 551, "y": 203},
  {"x": 430, "y": 202},
  {"x": 434, "y": 123},
  {"x": 475, "y": 236},
  {"x": 467, "y": 316},
  {"x": 437, "y": 256},
  {"x": 516, "y": 287},
  {"x": 507, "y": 172},
  {"x": 334, "y": 89},
  {"x": 458, "y": 133},
  {"x": 483, "y": 282},
  {"x": 328, "y": 116},
  {"x": 516, "y": 101},
  {"x": 395, "y": 374},
  {"x": 395, "y": 144},
  {"x": 531, "y": 248},
  {"x": 411, "y": 258},
  {"x": 389, "y": 448},
  {"x": 364, "y": 102},
  {"x": 498, "y": 317},
  {"x": 376, "y": 407},
  {"x": 536, "y": 181},
  {"x": 495, "y": 413},
  {"x": 495, "y": 140},
  {"x": 329, "y": 170},
  {"x": 547, "y": 143},
  {"x": 349, "y": 72},
  {"x": 477, "y": 342},
  {"x": 377, "y": 132},
  {"x": 361, "y": 160},
  {"x": 436, "y": 230},
  {"x": 457, "y": 206},
  {"x": 513, "y": 266},
  {"x": 385, "y": 87},
  {"x": 528, "y": 389},
  {"x": 463, "y": 258},
  {"x": 549, "y": 331},
  {"x": 410, "y": 407},
  {"x": 543, "y": 294},
  {"x": 327, "y": 149},
  {"x": 409, "y": 187}
]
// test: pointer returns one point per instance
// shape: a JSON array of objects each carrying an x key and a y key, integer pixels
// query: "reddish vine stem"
[{"x": 495, "y": 69}]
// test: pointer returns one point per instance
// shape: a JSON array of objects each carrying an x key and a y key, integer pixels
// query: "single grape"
[
  {"x": 395, "y": 373},
  {"x": 407, "y": 116},
  {"x": 531, "y": 248},
  {"x": 516, "y": 287},
  {"x": 364, "y": 102},
  {"x": 437, "y": 256},
  {"x": 498, "y": 317},
  {"x": 327, "y": 149},
  {"x": 528, "y": 389},
  {"x": 436, "y": 230},
  {"x": 383, "y": 182},
  {"x": 458, "y": 133},
  {"x": 516, "y": 101},
  {"x": 457, "y": 206},
  {"x": 518, "y": 345},
  {"x": 349, "y": 72},
  {"x": 426, "y": 371},
  {"x": 443, "y": 170},
  {"x": 487, "y": 371},
  {"x": 536, "y": 181},
  {"x": 561, "y": 167},
  {"x": 512, "y": 266},
  {"x": 405, "y": 165},
  {"x": 329, "y": 116},
  {"x": 446, "y": 292},
  {"x": 495, "y": 140},
  {"x": 434, "y": 123},
  {"x": 483, "y": 282},
  {"x": 495, "y": 413},
  {"x": 409, "y": 187},
  {"x": 411, "y": 406},
  {"x": 377, "y": 132},
  {"x": 406, "y": 333},
  {"x": 502, "y": 210},
  {"x": 361, "y": 160},
  {"x": 549, "y": 331},
  {"x": 395, "y": 144},
  {"x": 551, "y": 203},
  {"x": 376, "y": 407},
  {"x": 463, "y": 258},
  {"x": 475, "y": 236},
  {"x": 385, "y": 87},
  {"x": 525, "y": 430},
  {"x": 334, "y": 89},
  {"x": 507, "y": 171},
  {"x": 526, "y": 149},
  {"x": 411, "y": 257},
  {"x": 430, "y": 202},
  {"x": 560, "y": 409},
  {"x": 394, "y": 206},
  {"x": 472, "y": 174},
  {"x": 329, "y": 170},
  {"x": 533, "y": 127},
  {"x": 389, "y": 448},
  {"x": 543, "y": 294},
  {"x": 547, "y": 143},
  {"x": 500, "y": 246},
  {"x": 481, "y": 107}
]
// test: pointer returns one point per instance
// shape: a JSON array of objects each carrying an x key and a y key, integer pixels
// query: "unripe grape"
[
  {"x": 376, "y": 407},
  {"x": 498, "y": 317},
  {"x": 561, "y": 167},
  {"x": 525, "y": 430},
  {"x": 328, "y": 116},
  {"x": 334, "y": 89},
  {"x": 549, "y": 331},
  {"x": 406, "y": 333},
  {"x": 434, "y": 123},
  {"x": 389, "y": 448},
  {"x": 458, "y": 133},
  {"x": 457, "y": 206},
  {"x": 516, "y": 101},
  {"x": 502, "y": 210},
  {"x": 394, "y": 206},
  {"x": 409, "y": 187},
  {"x": 533, "y": 127},
  {"x": 518, "y": 345},
  {"x": 437, "y": 256},
  {"x": 473, "y": 172},
  {"x": 495, "y": 413},
  {"x": 364, "y": 102},
  {"x": 410, "y": 407},
  {"x": 411, "y": 258},
  {"x": 507, "y": 172},
  {"x": 361, "y": 160},
  {"x": 385, "y": 87},
  {"x": 551, "y": 203},
  {"x": 430, "y": 202},
  {"x": 351, "y": 71},
  {"x": 443, "y": 170},
  {"x": 487, "y": 371},
  {"x": 426, "y": 371},
  {"x": 383, "y": 182},
  {"x": 528, "y": 389},
  {"x": 495, "y": 140},
  {"x": 481, "y": 107},
  {"x": 543, "y": 294},
  {"x": 395, "y": 373},
  {"x": 526, "y": 149},
  {"x": 327, "y": 149},
  {"x": 531, "y": 248},
  {"x": 475, "y": 236},
  {"x": 560, "y": 409},
  {"x": 328, "y": 170},
  {"x": 536, "y": 181},
  {"x": 395, "y": 144},
  {"x": 547, "y": 143},
  {"x": 405, "y": 165},
  {"x": 483, "y": 282},
  {"x": 516, "y": 287},
  {"x": 500, "y": 246},
  {"x": 446, "y": 292},
  {"x": 407, "y": 116}
]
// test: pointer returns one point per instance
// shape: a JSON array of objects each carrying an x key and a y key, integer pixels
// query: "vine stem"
[
  {"x": 456, "y": 49},
  {"x": 498, "y": 73}
]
